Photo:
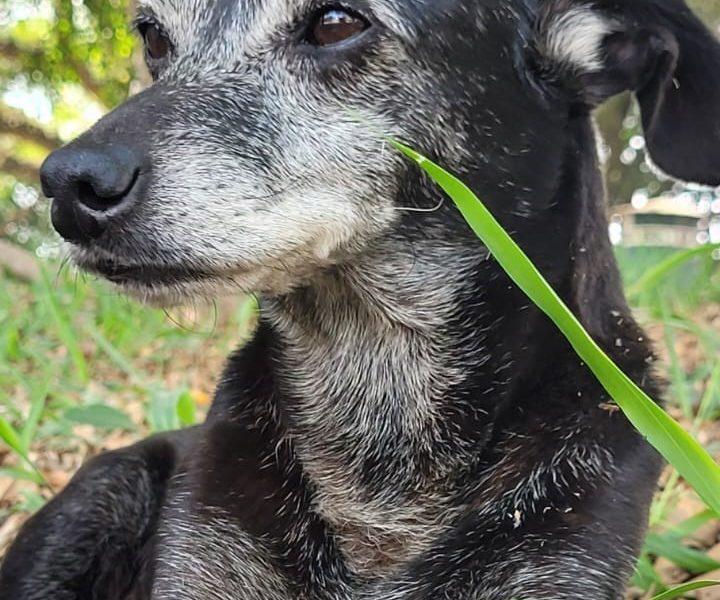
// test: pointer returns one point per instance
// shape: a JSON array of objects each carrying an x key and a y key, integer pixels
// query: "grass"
[
  {"x": 80, "y": 365},
  {"x": 83, "y": 369},
  {"x": 682, "y": 309}
]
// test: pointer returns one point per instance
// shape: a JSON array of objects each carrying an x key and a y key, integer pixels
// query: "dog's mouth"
[{"x": 144, "y": 275}]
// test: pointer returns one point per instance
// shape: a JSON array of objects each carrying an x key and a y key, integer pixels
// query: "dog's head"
[{"x": 254, "y": 160}]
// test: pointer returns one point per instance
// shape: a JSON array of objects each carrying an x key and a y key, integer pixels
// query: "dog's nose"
[{"x": 89, "y": 187}]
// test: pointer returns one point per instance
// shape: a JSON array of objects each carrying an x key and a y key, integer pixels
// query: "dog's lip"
[{"x": 122, "y": 273}]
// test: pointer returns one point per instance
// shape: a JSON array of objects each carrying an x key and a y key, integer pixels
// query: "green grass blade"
[
  {"x": 689, "y": 526},
  {"x": 20, "y": 474},
  {"x": 12, "y": 439},
  {"x": 680, "y": 449},
  {"x": 678, "y": 379},
  {"x": 681, "y": 591},
  {"x": 688, "y": 559},
  {"x": 37, "y": 408},
  {"x": 115, "y": 355},
  {"x": 64, "y": 328},
  {"x": 645, "y": 576},
  {"x": 654, "y": 276}
]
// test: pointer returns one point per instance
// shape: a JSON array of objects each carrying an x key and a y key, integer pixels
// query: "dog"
[{"x": 405, "y": 424}]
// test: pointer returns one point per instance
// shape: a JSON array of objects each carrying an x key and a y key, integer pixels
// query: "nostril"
[
  {"x": 87, "y": 195},
  {"x": 97, "y": 195}
]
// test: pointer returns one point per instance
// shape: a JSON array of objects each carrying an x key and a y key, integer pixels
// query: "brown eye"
[
  {"x": 157, "y": 45},
  {"x": 335, "y": 25}
]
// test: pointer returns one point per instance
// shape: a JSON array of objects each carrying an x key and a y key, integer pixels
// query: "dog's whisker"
[{"x": 435, "y": 208}]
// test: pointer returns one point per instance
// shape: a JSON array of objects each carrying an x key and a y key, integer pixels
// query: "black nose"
[{"x": 90, "y": 187}]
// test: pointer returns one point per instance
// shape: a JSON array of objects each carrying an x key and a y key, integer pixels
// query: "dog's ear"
[{"x": 656, "y": 48}]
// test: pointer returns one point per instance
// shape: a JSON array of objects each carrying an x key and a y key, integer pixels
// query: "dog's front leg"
[{"x": 94, "y": 540}]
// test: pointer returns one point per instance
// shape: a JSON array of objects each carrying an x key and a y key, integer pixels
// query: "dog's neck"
[{"x": 387, "y": 382}]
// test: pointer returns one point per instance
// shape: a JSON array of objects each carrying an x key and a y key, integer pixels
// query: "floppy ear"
[{"x": 656, "y": 48}]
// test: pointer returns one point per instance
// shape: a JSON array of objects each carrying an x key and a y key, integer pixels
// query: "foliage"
[
  {"x": 53, "y": 329},
  {"x": 62, "y": 65}
]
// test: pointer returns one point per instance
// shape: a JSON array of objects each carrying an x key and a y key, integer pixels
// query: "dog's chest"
[
  {"x": 378, "y": 549},
  {"x": 209, "y": 557}
]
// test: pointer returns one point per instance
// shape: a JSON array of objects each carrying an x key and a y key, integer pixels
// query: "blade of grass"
[
  {"x": 710, "y": 398},
  {"x": 646, "y": 577},
  {"x": 664, "y": 433},
  {"x": 116, "y": 356},
  {"x": 678, "y": 378},
  {"x": 20, "y": 474},
  {"x": 37, "y": 407},
  {"x": 681, "y": 591},
  {"x": 655, "y": 275},
  {"x": 660, "y": 508},
  {"x": 691, "y": 525},
  {"x": 690, "y": 560},
  {"x": 67, "y": 337},
  {"x": 13, "y": 441}
]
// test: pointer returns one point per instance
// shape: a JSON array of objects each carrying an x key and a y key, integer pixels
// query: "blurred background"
[{"x": 83, "y": 370}]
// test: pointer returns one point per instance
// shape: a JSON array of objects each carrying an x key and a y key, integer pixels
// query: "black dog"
[{"x": 404, "y": 425}]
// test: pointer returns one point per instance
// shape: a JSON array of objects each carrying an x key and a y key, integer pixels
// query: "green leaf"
[
  {"x": 100, "y": 416},
  {"x": 680, "y": 449},
  {"x": 162, "y": 411},
  {"x": 691, "y": 525},
  {"x": 679, "y": 592},
  {"x": 688, "y": 559},
  {"x": 11, "y": 438},
  {"x": 21, "y": 474},
  {"x": 32, "y": 501},
  {"x": 185, "y": 409},
  {"x": 645, "y": 576}
]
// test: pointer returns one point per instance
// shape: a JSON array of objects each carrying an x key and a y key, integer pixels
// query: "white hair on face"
[{"x": 575, "y": 38}]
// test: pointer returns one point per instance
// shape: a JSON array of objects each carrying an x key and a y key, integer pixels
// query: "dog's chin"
[
  {"x": 168, "y": 295},
  {"x": 166, "y": 285}
]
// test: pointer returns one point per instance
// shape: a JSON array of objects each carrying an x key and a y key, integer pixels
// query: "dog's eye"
[
  {"x": 335, "y": 25},
  {"x": 156, "y": 42}
]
